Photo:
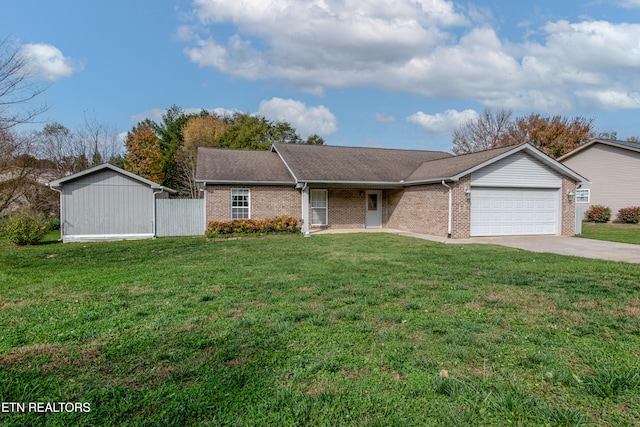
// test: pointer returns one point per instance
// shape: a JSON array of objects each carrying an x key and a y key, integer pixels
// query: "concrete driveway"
[{"x": 576, "y": 246}]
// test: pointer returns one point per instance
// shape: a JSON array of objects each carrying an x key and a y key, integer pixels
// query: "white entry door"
[
  {"x": 374, "y": 209},
  {"x": 514, "y": 211}
]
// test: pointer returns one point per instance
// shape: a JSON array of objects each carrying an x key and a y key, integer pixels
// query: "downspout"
[
  {"x": 61, "y": 221},
  {"x": 450, "y": 202},
  {"x": 154, "y": 212},
  {"x": 305, "y": 210}
]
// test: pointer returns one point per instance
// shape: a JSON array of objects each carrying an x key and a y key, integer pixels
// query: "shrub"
[
  {"x": 598, "y": 213},
  {"x": 629, "y": 215},
  {"x": 26, "y": 228},
  {"x": 281, "y": 224},
  {"x": 54, "y": 224}
]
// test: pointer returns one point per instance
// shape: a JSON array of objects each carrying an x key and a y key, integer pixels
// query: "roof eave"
[{"x": 242, "y": 182}]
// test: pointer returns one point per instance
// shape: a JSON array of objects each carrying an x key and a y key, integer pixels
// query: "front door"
[{"x": 374, "y": 209}]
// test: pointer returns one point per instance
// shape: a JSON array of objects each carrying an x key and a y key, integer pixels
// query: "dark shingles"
[
  {"x": 353, "y": 164},
  {"x": 222, "y": 164},
  {"x": 449, "y": 167}
]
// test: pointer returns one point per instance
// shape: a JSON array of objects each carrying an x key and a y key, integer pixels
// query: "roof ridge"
[{"x": 363, "y": 148}]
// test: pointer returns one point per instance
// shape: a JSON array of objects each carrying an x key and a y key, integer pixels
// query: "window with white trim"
[
  {"x": 319, "y": 207},
  {"x": 583, "y": 195},
  {"x": 240, "y": 203}
]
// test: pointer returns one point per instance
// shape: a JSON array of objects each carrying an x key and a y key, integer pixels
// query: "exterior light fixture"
[
  {"x": 570, "y": 195},
  {"x": 467, "y": 193}
]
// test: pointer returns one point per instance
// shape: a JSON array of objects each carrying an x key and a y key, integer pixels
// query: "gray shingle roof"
[
  {"x": 249, "y": 166},
  {"x": 633, "y": 146},
  {"x": 324, "y": 163},
  {"x": 452, "y": 166},
  {"x": 331, "y": 164}
]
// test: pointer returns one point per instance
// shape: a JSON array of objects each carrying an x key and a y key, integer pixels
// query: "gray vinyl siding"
[
  {"x": 106, "y": 203},
  {"x": 180, "y": 217},
  {"x": 518, "y": 170},
  {"x": 613, "y": 173}
]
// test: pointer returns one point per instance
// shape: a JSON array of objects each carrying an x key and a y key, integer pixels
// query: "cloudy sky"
[{"x": 384, "y": 73}]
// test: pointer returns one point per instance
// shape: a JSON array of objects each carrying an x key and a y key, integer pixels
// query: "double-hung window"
[
  {"x": 319, "y": 207},
  {"x": 583, "y": 195},
  {"x": 240, "y": 203}
]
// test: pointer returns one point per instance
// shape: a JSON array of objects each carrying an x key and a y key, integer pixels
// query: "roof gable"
[
  {"x": 58, "y": 183},
  {"x": 456, "y": 167},
  {"x": 624, "y": 145}
]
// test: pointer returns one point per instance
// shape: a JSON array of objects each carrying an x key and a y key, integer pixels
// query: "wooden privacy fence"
[{"x": 180, "y": 217}]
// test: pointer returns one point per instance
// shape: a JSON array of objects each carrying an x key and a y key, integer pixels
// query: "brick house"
[{"x": 514, "y": 190}]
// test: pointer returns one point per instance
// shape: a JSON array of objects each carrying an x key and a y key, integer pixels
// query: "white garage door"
[{"x": 512, "y": 212}]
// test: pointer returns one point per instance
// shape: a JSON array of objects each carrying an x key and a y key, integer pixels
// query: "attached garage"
[
  {"x": 517, "y": 195},
  {"x": 507, "y": 211}
]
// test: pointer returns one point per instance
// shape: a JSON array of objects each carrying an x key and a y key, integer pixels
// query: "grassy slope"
[
  {"x": 615, "y": 232},
  {"x": 329, "y": 330}
]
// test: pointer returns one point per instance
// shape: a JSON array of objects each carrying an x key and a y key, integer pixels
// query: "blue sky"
[{"x": 397, "y": 74}]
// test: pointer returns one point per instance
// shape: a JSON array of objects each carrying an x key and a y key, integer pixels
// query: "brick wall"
[
  {"x": 266, "y": 202},
  {"x": 568, "y": 224},
  {"x": 461, "y": 209},
  {"x": 420, "y": 209},
  {"x": 346, "y": 208}
]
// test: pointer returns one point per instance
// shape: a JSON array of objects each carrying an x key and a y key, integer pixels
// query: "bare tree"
[
  {"x": 19, "y": 170},
  {"x": 100, "y": 141},
  {"x": 490, "y": 130},
  {"x": 16, "y": 89}
]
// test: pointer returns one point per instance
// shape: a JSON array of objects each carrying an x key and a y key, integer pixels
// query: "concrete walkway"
[{"x": 573, "y": 246}]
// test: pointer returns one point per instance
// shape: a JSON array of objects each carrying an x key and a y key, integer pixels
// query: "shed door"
[{"x": 514, "y": 211}]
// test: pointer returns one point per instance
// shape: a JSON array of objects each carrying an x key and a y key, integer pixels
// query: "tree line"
[
  {"x": 553, "y": 135},
  {"x": 166, "y": 152}
]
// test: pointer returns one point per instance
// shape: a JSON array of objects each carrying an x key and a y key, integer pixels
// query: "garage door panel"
[{"x": 501, "y": 212}]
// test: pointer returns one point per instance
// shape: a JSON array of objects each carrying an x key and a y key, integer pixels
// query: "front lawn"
[
  {"x": 333, "y": 330},
  {"x": 614, "y": 232}
]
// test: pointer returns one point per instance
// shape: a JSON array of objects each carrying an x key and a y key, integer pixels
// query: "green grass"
[
  {"x": 614, "y": 232},
  {"x": 353, "y": 330}
]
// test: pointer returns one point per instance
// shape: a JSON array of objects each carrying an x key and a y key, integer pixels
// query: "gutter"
[
  {"x": 155, "y": 220},
  {"x": 450, "y": 203},
  {"x": 224, "y": 182}
]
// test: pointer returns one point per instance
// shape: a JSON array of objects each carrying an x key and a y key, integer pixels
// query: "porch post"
[{"x": 305, "y": 210}]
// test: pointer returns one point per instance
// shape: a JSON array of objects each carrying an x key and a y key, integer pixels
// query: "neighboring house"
[
  {"x": 612, "y": 168},
  {"x": 515, "y": 190},
  {"x": 107, "y": 203}
]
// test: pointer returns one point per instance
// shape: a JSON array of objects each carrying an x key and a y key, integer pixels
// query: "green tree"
[
  {"x": 170, "y": 139},
  {"x": 258, "y": 133}
]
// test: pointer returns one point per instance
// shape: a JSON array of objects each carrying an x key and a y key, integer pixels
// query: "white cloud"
[
  {"x": 306, "y": 120},
  {"x": 425, "y": 47},
  {"x": 629, "y": 4},
  {"x": 47, "y": 62},
  {"x": 442, "y": 123},
  {"x": 384, "y": 118}
]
